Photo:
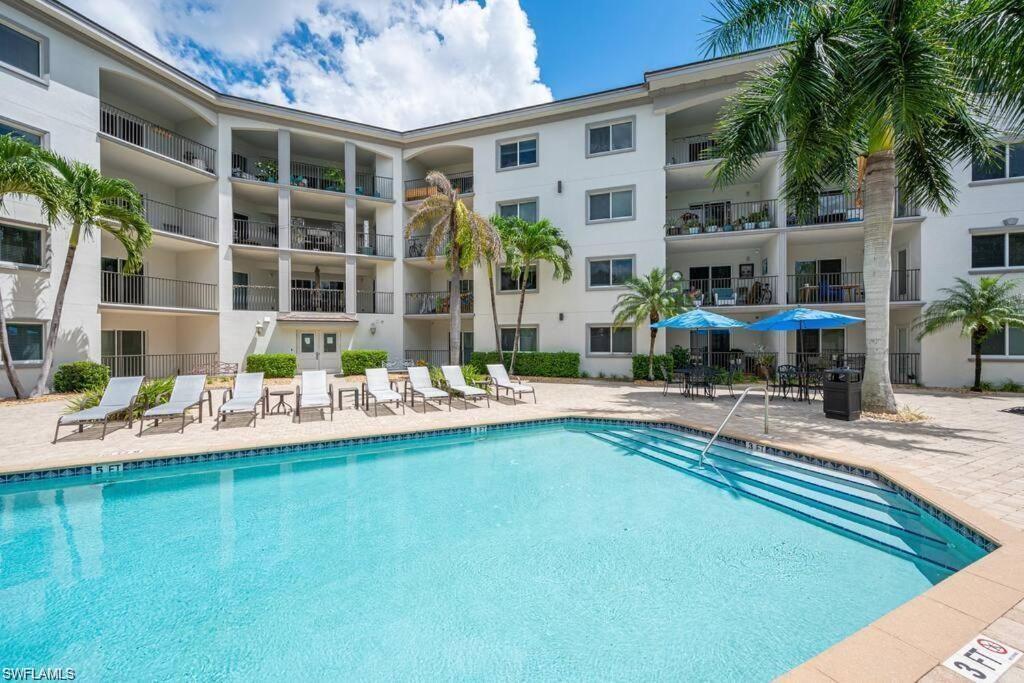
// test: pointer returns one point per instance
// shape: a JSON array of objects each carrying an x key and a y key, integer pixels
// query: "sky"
[{"x": 403, "y": 64}]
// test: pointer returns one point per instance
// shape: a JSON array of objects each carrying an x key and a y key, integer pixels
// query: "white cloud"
[{"x": 394, "y": 63}]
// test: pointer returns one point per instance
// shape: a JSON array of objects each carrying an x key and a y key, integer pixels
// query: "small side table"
[
  {"x": 281, "y": 407},
  {"x": 348, "y": 390}
]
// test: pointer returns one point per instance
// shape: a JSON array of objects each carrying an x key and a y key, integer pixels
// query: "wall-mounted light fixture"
[
  {"x": 561, "y": 317},
  {"x": 558, "y": 187},
  {"x": 1012, "y": 220}
]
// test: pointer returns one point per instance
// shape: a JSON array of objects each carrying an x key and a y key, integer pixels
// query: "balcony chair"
[
  {"x": 724, "y": 296},
  {"x": 118, "y": 398},
  {"x": 189, "y": 392},
  {"x": 314, "y": 392}
]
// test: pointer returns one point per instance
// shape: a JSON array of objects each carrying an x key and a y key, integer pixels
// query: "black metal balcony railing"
[
  {"x": 153, "y": 366},
  {"x": 255, "y": 233},
  {"x": 903, "y": 367},
  {"x": 838, "y": 288},
  {"x": 417, "y": 188},
  {"x": 254, "y": 298},
  {"x": 160, "y": 292},
  {"x": 374, "y": 244},
  {"x": 434, "y": 303},
  {"x": 416, "y": 247},
  {"x": 318, "y": 300},
  {"x": 433, "y": 357},
  {"x": 721, "y": 217},
  {"x": 319, "y": 237},
  {"x": 314, "y": 176},
  {"x": 174, "y": 220},
  {"x": 735, "y": 361},
  {"x": 905, "y": 285},
  {"x": 375, "y": 302},
  {"x": 371, "y": 185},
  {"x": 138, "y": 131},
  {"x": 732, "y": 291},
  {"x": 844, "y": 207}
]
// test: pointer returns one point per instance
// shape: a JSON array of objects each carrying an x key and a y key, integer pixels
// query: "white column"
[
  {"x": 350, "y": 284},
  {"x": 284, "y": 221}
]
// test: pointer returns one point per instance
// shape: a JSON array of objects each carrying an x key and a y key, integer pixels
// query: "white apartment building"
[{"x": 277, "y": 230}]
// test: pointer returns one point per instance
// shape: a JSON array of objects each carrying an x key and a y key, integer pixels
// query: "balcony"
[
  {"x": 152, "y": 366},
  {"x": 254, "y": 233},
  {"x": 310, "y": 300},
  {"x": 712, "y": 217},
  {"x": 844, "y": 207},
  {"x": 690, "y": 148},
  {"x": 435, "y": 303},
  {"x": 904, "y": 368},
  {"x": 375, "y": 302},
  {"x": 840, "y": 288},
  {"x": 156, "y": 292},
  {"x": 373, "y": 244},
  {"x": 139, "y": 132},
  {"x": 315, "y": 177},
  {"x": 432, "y": 357},
  {"x": 416, "y": 247},
  {"x": 418, "y": 189},
  {"x": 174, "y": 220},
  {"x": 733, "y": 291},
  {"x": 254, "y": 298},
  {"x": 318, "y": 236},
  {"x": 378, "y": 187}
]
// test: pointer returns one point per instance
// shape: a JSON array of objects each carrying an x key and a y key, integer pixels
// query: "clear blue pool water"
[{"x": 542, "y": 553}]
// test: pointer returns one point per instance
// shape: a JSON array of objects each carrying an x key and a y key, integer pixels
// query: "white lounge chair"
[
  {"x": 118, "y": 398},
  {"x": 188, "y": 393},
  {"x": 419, "y": 384},
  {"x": 457, "y": 385},
  {"x": 379, "y": 387},
  {"x": 247, "y": 394},
  {"x": 314, "y": 392},
  {"x": 500, "y": 378}
]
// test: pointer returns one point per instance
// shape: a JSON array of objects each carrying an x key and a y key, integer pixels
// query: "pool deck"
[{"x": 966, "y": 458}]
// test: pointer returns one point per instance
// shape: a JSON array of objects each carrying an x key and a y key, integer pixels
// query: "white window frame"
[
  {"x": 44, "y": 137},
  {"x": 43, "y": 77},
  {"x": 516, "y": 140},
  {"x": 536, "y": 328},
  {"x": 996, "y": 232},
  {"x": 44, "y": 245},
  {"x": 608, "y": 123},
  {"x": 1006, "y": 177},
  {"x": 1005, "y": 355},
  {"x": 516, "y": 203},
  {"x": 609, "y": 191},
  {"x": 497, "y": 283},
  {"x": 610, "y": 259},
  {"x": 613, "y": 353},
  {"x": 44, "y": 331}
]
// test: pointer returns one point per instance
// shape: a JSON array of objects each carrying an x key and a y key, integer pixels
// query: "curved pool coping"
[{"x": 902, "y": 645}]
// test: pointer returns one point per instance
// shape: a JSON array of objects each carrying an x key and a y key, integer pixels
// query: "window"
[
  {"x": 21, "y": 245},
  {"x": 509, "y": 283},
  {"x": 517, "y": 154},
  {"x": 603, "y": 340},
  {"x": 609, "y": 205},
  {"x": 1007, "y": 162},
  {"x": 525, "y": 209},
  {"x": 1007, "y": 342},
  {"x": 1000, "y": 250},
  {"x": 609, "y": 272},
  {"x": 26, "y": 341},
  {"x": 527, "y": 338},
  {"x": 607, "y": 137},
  {"x": 20, "y": 50},
  {"x": 7, "y": 129},
  {"x": 330, "y": 342}
]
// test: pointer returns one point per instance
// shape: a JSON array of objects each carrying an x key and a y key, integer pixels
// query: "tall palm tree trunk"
[
  {"x": 58, "y": 309},
  {"x": 5, "y": 353},
  {"x": 519, "y": 324},
  {"x": 879, "y": 203},
  {"x": 494, "y": 312},
  {"x": 455, "y": 316},
  {"x": 976, "y": 346},
  {"x": 650, "y": 351}
]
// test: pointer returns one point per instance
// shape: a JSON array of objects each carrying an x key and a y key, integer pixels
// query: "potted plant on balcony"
[
  {"x": 727, "y": 227},
  {"x": 334, "y": 179},
  {"x": 692, "y": 223},
  {"x": 266, "y": 170},
  {"x": 760, "y": 219},
  {"x": 713, "y": 227}
]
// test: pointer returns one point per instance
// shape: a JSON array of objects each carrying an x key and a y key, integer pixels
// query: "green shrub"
[
  {"x": 81, "y": 375},
  {"x": 152, "y": 393},
  {"x": 640, "y": 365},
  {"x": 680, "y": 356},
  {"x": 533, "y": 363},
  {"x": 469, "y": 373},
  {"x": 272, "y": 364},
  {"x": 355, "y": 361},
  {"x": 1011, "y": 386}
]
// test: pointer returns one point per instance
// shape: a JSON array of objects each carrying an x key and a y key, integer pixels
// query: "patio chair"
[
  {"x": 189, "y": 392},
  {"x": 701, "y": 379},
  {"x": 786, "y": 380},
  {"x": 724, "y": 296},
  {"x": 247, "y": 394},
  {"x": 419, "y": 384},
  {"x": 672, "y": 379},
  {"x": 514, "y": 387},
  {"x": 314, "y": 392},
  {"x": 457, "y": 384},
  {"x": 379, "y": 387},
  {"x": 118, "y": 398}
]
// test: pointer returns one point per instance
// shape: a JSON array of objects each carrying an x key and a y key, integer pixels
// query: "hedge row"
[
  {"x": 272, "y": 364},
  {"x": 660, "y": 360},
  {"x": 533, "y": 363},
  {"x": 82, "y": 375},
  {"x": 355, "y": 361}
]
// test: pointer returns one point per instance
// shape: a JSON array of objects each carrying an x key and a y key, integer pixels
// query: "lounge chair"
[
  {"x": 379, "y": 387},
  {"x": 118, "y": 398},
  {"x": 500, "y": 379},
  {"x": 458, "y": 386},
  {"x": 187, "y": 394},
  {"x": 247, "y": 394},
  {"x": 314, "y": 392},
  {"x": 419, "y": 384}
]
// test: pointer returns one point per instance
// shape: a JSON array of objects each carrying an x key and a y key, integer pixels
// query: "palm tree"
[
  {"x": 651, "y": 298},
  {"x": 87, "y": 201},
  {"x": 529, "y": 244},
  {"x": 505, "y": 225},
  {"x": 23, "y": 173},
  {"x": 457, "y": 233},
  {"x": 871, "y": 95},
  {"x": 980, "y": 310}
]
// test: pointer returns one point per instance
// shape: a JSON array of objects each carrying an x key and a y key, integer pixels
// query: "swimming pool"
[{"x": 570, "y": 551}]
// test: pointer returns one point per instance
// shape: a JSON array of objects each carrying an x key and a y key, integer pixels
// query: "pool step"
[{"x": 889, "y": 537}]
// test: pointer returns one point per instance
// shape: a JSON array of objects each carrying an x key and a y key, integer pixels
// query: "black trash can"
[{"x": 841, "y": 394}]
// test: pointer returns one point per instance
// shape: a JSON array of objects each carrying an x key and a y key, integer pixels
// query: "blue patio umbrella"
[
  {"x": 699, "y": 320},
  {"x": 804, "y": 319}
]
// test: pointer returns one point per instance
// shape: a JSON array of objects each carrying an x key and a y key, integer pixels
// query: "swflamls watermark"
[{"x": 31, "y": 673}]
